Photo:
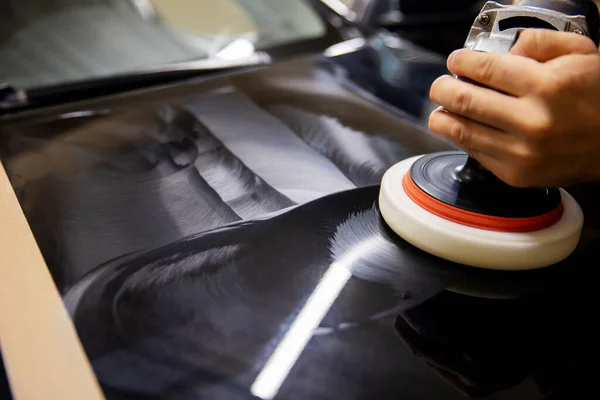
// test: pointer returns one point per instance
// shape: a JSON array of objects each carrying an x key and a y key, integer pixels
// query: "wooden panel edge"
[{"x": 43, "y": 356}]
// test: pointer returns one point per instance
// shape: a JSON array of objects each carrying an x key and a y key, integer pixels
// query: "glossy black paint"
[
  {"x": 195, "y": 304},
  {"x": 214, "y": 306},
  {"x": 4, "y": 386},
  {"x": 394, "y": 70}
]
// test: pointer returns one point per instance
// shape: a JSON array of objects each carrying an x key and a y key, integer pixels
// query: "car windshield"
[{"x": 49, "y": 42}]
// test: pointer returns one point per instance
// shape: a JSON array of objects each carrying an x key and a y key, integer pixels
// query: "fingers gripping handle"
[{"x": 496, "y": 29}]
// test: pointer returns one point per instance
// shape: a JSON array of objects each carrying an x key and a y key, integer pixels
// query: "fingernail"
[{"x": 451, "y": 58}]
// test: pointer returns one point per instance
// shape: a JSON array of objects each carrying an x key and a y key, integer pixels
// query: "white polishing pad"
[{"x": 472, "y": 246}]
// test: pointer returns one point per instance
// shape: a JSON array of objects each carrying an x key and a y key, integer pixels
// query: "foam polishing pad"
[{"x": 422, "y": 201}]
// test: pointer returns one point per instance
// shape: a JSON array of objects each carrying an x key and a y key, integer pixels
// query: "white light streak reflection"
[{"x": 278, "y": 366}]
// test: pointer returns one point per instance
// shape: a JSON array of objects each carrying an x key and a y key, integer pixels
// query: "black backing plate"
[{"x": 447, "y": 177}]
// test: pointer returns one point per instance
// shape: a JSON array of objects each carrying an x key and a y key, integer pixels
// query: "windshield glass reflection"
[{"x": 52, "y": 42}]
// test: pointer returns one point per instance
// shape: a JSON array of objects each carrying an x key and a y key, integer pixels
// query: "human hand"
[{"x": 541, "y": 125}]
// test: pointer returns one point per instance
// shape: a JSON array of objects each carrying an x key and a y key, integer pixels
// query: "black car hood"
[{"x": 221, "y": 239}]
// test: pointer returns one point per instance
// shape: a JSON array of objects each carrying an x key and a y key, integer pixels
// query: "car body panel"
[{"x": 220, "y": 238}]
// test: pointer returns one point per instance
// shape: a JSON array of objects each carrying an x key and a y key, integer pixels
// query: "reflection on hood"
[{"x": 131, "y": 182}]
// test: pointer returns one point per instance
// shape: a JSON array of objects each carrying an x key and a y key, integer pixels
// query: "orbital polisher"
[{"x": 449, "y": 205}]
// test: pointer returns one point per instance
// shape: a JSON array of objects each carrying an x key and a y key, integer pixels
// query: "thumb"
[{"x": 544, "y": 44}]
